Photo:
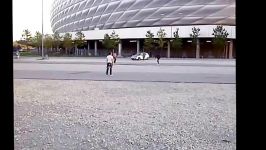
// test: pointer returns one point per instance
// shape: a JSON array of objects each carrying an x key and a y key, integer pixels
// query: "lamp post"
[{"x": 42, "y": 31}]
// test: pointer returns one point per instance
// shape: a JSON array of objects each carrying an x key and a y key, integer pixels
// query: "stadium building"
[{"x": 131, "y": 19}]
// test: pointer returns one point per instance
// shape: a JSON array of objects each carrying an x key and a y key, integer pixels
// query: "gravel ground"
[{"x": 51, "y": 114}]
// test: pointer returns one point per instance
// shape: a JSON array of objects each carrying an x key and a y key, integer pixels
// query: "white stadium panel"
[{"x": 130, "y": 16}]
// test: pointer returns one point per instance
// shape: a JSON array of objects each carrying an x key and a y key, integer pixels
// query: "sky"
[{"x": 27, "y": 14}]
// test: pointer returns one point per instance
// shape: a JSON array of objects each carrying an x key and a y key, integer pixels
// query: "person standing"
[
  {"x": 143, "y": 55},
  {"x": 109, "y": 61},
  {"x": 158, "y": 58},
  {"x": 17, "y": 54},
  {"x": 114, "y": 55}
]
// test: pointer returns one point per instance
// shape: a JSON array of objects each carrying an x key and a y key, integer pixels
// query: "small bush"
[{"x": 27, "y": 54}]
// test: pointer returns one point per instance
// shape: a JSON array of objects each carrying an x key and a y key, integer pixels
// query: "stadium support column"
[
  {"x": 138, "y": 45},
  {"x": 88, "y": 42},
  {"x": 95, "y": 48},
  {"x": 120, "y": 48},
  {"x": 231, "y": 49},
  {"x": 76, "y": 50},
  {"x": 168, "y": 49},
  {"x": 198, "y": 49}
]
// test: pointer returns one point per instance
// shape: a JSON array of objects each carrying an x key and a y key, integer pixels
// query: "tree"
[
  {"x": 110, "y": 42},
  {"x": 80, "y": 38},
  {"x": 16, "y": 46},
  {"x": 67, "y": 41},
  {"x": 37, "y": 40},
  {"x": 56, "y": 40},
  {"x": 26, "y": 36},
  {"x": 48, "y": 42},
  {"x": 149, "y": 41},
  {"x": 161, "y": 41},
  {"x": 177, "y": 42},
  {"x": 195, "y": 40},
  {"x": 220, "y": 36},
  {"x": 107, "y": 42},
  {"x": 114, "y": 40}
]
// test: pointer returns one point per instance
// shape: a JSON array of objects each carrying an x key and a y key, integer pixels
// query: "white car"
[{"x": 140, "y": 56}]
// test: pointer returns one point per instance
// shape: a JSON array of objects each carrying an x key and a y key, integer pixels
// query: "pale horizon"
[{"x": 27, "y": 14}]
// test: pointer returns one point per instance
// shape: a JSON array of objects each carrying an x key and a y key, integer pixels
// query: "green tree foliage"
[
  {"x": 48, "y": 41},
  {"x": 115, "y": 40},
  {"x": 220, "y": 36},
  {"x": 37, "y": 40},
  {"x": 107, "y": 42},
  {"x": 56, "y": 40},
  {"x": 80, "y": 39},
  {"x": 26, "y": 36},
  {"x": 161, "y": 38},
  {"x": 195, "y": 34},
  {"x": 67, "y": 42},
  {"x": 149, "y": 41},
  {"x": 177, "y": 42},
  {"x": 111, "y": 41}
]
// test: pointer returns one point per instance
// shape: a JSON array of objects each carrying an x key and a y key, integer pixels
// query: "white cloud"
[{"x": 27, "y": 14}]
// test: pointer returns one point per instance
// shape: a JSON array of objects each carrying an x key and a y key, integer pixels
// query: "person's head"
[{"x": 109, "y": 53}]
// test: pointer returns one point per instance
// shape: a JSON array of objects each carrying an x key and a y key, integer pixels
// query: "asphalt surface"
[
  {"x": 169, "y": 70},
  {"x": 66, "y": 103}
]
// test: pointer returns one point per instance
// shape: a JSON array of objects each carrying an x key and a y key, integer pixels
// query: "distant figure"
[
  {"x": 158, "y": 58},
  {"x": 17, "y": 53},
  {"x": 144, "y": 54},
  {"x": 114, "y": 55},
  {"x": 109, "y": 61}
]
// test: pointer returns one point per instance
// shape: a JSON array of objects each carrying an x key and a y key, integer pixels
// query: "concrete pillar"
[
  {"x": 231, "y": 49},
  {"x": 95, "y": 48},
  {"x": 226, "y": 50},
  {"x": 76, "y": 50},
  {"x": 168, "y": 49},
  {"x": 120, "y": 48},
  {"x": 198, "y": 49},
  {"x": 88, "y": 42},
  {"x": 138, "y": 45}
]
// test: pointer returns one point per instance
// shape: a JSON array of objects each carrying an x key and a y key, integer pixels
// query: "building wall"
[
  {"x": 83, "y": 15},
  {"x": 139, "y": 33},
  {"x": 131, "y": 19}
]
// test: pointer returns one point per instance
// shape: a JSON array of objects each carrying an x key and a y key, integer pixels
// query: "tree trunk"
[
  {"x": 226, "y": 52},
  {"x": 231, "y": 49},
  {"x": 198, "y": 49}
]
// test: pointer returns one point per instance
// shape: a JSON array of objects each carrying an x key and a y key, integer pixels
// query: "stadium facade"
[{"x": 131, "y": 19}]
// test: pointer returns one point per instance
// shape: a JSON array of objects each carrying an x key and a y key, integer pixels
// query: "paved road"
[{"x": 169, "y": 70}]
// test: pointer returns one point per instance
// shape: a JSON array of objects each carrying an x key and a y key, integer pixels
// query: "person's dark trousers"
[
  {"x": 114, "y": 59},
  {"x": 157, "y": 60},
  {"x": 109, "y": 65}
]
